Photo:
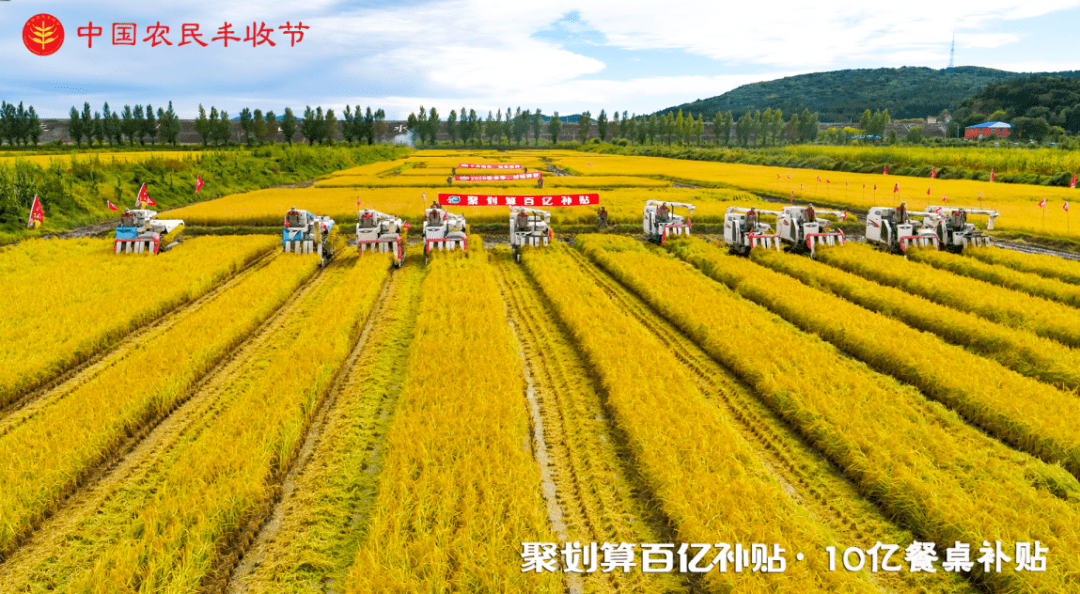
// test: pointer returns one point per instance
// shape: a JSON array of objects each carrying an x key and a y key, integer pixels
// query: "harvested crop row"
[
  {"x": 1042, "y": 423},
  {"x": 172, "y": 527},
  {"x": 1004, "y": 306},
  {"x": 325, "y": 518},
  {"x": 1044, "y": 265},
  {"x": 56, "y": 283},
  {"x": 49, "y": 452},
  {"x": 586, "y": 457},
  {"x": 1018, "y": 349},
  {"x": 707, "y": 479},
  {"x": 459, "y": 491},
  {"x": 808, "y": 477},
  {"x": 943, "y": 479},
  {"x": 1003, "y": 276}
]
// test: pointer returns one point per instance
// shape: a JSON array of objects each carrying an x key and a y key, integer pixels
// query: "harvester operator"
[
  {"x": 663, "y": 214},
  {"x": 602, "y": 218}
]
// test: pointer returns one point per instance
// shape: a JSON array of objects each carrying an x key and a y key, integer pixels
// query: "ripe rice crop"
[
  {"x": 65, "y": 159},
  {"x": 1017, "y": 204},
  {"x": 1025, "y": 282},
  {"x": 68, "y": 300},
  {"x": 52, "y": 449},
  {"x": 1044, "y": 265},
  {"x": 945, "y": 480},
  {"x": 708, "y": 480},
  {"x": 1045, "y": 161},
  {"x": 1016, "y": 348},
  {"x": 458, "y": 490},
  {"x": 166, "y": 528},
  {"x": 1042, "y": 423},
  {"x": 1004, "y": 306}
]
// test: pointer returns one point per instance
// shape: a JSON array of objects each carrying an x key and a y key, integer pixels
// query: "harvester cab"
[
  {"x": 307, "y": 233},
  {"x": 140, "y": 232},
  {"x": 803, "y": 230},
  {"x": 953, "y": 230},
  {"x": 744, "y": 230},
  {"x": 529, "y": 226},
  {"x": 444, "y": 231},
  {"x": 659, "y": 220},
  {"x": 895, "y": 230},
  {"x": 380, "y": 232}
]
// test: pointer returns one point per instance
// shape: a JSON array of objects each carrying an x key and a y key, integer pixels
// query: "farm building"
[{"x": 987, "y": 129}]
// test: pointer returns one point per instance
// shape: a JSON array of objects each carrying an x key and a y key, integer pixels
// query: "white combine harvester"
[
  {"x": 140, "y": 232},
  {"x": 379, "y": 232},
  {"x": 954, "y": 232},
  {"x": 659, "y": 221},
  {"x": 528, "y": 226},
  {"x": 744, "y": 230},
  {"x": 895, "y": 230},
  {"x": 444, "y": 231},
  {"x": 307, "y": 233},
  {"x": 800, "y": 227}
]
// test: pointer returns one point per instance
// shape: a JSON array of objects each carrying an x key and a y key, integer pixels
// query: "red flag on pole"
[
  {"x": 144, "y": 198},
  {"x": 980, "y": 195},
  {"x": 896, "y": 188},
  {"x": 111, "y": 205},
  {"x": 991, "y": 175},
  {"x": 886, "y": 172},
  {"x": 875, "y": 187},
  {"x": 927, "y": 191},
  {"x": 37, "y": 214},
  {"x": 943, "y": 197},
  {"x": 1072, "y": 184},
  {"x": 1065, "y": 206},
  {"x": 933, "y": 172},
  {"x": 819, "y": 179},
  {"x": 828, "y": 181},
  {"x": 793, "y": 196},
  {"x": 1042, "y": 203},
  {"x": 844, "y": 218},
  {"x": 198, "y": 183}
]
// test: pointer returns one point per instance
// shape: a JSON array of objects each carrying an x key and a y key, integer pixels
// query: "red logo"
[{"x": 43, "y": 34}]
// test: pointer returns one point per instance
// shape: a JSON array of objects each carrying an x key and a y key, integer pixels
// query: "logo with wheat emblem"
[{"x": 43, "y": 34}]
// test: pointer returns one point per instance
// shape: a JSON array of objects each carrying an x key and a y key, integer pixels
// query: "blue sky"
[{"x": 564, "y": 56}]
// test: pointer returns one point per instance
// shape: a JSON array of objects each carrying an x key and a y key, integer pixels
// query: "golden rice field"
[
  {"x": 104, "y": 157},
  {"x": 606, "y": 415}
]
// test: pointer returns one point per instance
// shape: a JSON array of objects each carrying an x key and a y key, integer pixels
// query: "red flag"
[
  {"x": 886, "y": 172},
  {"x": 896, "y": 188},
  {"x": 943, "y": 197},
  {"x": 198, "y": 183},
  {"x": 111, "y": 205},
  {"x": 828, "y": 181},
  {"x": 991, "y": 175},
  {"x": 864, "y": 185},
  {"x": 1042, "y": 203},
  {"x": 819, "y": 179},
  {"x": 933, "y": 172},
  {"x": 875, "y": 187},
  {"x": 927, "y": 191},
  {"x": 980, "y": 195},
  {"x": 793, "y": 196},
  {"x": 358, "y": 201},
  {"x": 777, "y": 176},
  {"x": 406, "y": 225},
  {"x": 1065, "y": 206},
  {"x": 1072, "y": 184},
  {"x": 844, "y": 218},
  {"x": 144, "y": 198},
  {"x": 37, "y": 214}
]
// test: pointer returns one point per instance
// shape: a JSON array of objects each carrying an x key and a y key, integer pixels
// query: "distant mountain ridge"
[{"x": 843, "y": 95}]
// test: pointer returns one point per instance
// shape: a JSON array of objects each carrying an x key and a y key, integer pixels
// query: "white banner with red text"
[
  {"x": 514, "y": 200},
  {"x": 489, "y": 165},
  {"x": 488, "y": 178}
]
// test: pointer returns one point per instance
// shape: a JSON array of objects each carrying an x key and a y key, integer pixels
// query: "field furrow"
[
  {"x": 942, "y": 479},
  {"x": 177, "y": 524},
  {"x": 1004, "y": 306},
  {"x": 710, "y": 482},
  {"x": 95, "y": 298},
  {"x": 308, "y": 544},
  {"x": 459, "y": 490},
  {"x": 1046, "y": 266},
  {"x": 1000, "y": 275},
  {"x": 808, "y": 477},
  {"x": 1018, "y": 349},
  {"x": 591, "y": 482}
]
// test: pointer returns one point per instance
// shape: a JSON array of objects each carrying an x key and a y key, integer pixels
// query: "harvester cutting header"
[
  {"x": 800, "y": 227},
  {"x": 953, "y": 231},
  {"x": 744, "y": 230},
  {"x": 659, "y": 221},
  {"x": 380, "y": 232},
  {"x": 140, "y": 231},
  {"x": 444, "y": 230},
  {"x": 529, "y": 226}
]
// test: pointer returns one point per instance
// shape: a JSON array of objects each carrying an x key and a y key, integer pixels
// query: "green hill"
[
  {"x": 843, "y": 95},
  {"x": 1032, "y": 104}
]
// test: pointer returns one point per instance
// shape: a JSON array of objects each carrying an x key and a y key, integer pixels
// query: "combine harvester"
[
  {"x": 140, "y": 232},
  {"x": 528, "y": 226},
  {"x": 658, "y": 221},
  {"x": 380, "y": 232},
  {"x": 894, "y": 230},
  {"x": 953, "y": 231},
  {"x": 307, "y": 233},
  {"x": 444, "y": 231},
  {"x": 744, "y": 230},
  {"x": 802, "y": 230}
]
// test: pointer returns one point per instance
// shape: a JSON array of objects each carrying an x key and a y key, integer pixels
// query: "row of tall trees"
[
  {"x": 130, "y": 125},
  {"x": 19, "y": 125},
  {"x": 753, "y": 128}
]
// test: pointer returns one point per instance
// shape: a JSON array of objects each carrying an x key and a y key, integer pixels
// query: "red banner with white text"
[
  {"x": 515, "y": 200},
  {"x": 487, "y": 178},
  {"x": 489, "y": 165}
]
